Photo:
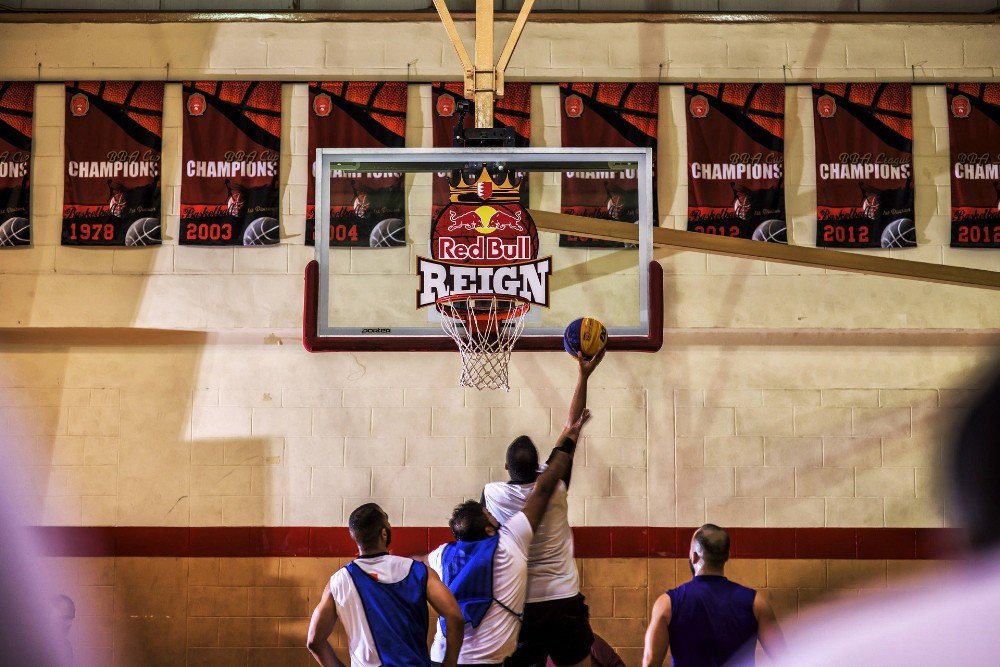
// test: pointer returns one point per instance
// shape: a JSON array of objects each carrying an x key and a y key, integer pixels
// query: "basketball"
[
  {"x": 900, "y": 233},
  {"x": 585, "y": 335},
  {"x": 16, "y": 231},
  {"x": 144, "y": 231},
  {"x": 390, "y": 232},
  {"x": 772, "y": 230},
  {"x": 262, "y": 231}
]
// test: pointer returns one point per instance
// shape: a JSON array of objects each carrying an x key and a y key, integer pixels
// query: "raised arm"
[
  {"x": 446, "y": 606},
  {"x": 768, "y": 631},
  {"x": 559, "y": 464},
  {"x": 579, "y": 401},
  {"x": 657, "y": 634},
  {"x": 321, "y": 625}
]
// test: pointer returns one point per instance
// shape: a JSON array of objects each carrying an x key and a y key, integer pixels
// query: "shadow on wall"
[{"x": 104, "y": 434}]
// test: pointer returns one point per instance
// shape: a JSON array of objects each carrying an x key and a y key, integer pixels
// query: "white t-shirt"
[
  {"x": 387, "y": 569},
  {"x": 552, "y": 571},
  {"x": 496, "y": 637}
]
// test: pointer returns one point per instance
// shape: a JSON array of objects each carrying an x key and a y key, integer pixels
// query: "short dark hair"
[
  {"x": 468, "y": 521},
  {"x": 975, "y": 469},
  {"x": 714, "y": 543},
  {"x": 522, "y": 459},
  {"x": 366, "y": 524}
]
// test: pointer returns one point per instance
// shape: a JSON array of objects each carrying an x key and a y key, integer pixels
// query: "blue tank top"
[
  {"x": 467, "y": 570},
  {"x": 712, "y": 623},
  {"x": 397, "y": 615}
]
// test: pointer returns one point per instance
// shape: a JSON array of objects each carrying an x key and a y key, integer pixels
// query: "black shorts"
[{"x": 559, "y": 629}]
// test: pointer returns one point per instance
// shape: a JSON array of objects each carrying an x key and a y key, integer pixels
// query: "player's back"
[{"x": 552, "y": 573}]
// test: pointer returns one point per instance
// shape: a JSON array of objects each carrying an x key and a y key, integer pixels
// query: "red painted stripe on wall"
[{"x": 589, "y": 541}]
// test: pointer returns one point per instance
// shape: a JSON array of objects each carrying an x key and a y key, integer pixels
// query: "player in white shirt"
[
  {"x": 382, "y": 600},
  {"x": 487, "y": 567},
  {"x": 556, "y": 618}
]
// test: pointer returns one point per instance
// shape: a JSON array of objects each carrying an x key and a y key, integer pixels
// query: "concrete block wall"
[{"x": 783, "y": 397}]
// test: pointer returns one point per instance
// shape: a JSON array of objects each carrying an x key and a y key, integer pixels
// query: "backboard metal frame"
[{"x": 319, "y": 336}]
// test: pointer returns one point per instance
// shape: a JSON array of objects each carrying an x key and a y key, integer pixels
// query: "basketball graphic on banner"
[
  {"x": 144, "y": 231},
  {"x": 15, "y": 231}
]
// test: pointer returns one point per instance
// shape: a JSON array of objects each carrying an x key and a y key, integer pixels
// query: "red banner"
[
  {"x": 366, "y": 210},
  {"x": 229, "y": 179},
  {"x": 736, "y": 179},
  {"x": 512, "y": 110},
  {"x": 974, "y": 130},
  {"x": 611, "y": 115},
  {"x": 111, "y": 189},
  {"x": 864, "y": 165},
  {"x": 17, "y": 103}
]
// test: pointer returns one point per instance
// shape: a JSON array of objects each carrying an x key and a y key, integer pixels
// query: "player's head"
[
  {"x": 975, "y": 470},
  {"x": 522, "y": 460},
  {"x": 369, "y": 526},
  {"x": 470, "y": 522},
  {"x": 709, "y": 548}
]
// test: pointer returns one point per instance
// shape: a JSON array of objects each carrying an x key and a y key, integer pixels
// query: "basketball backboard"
[{"x": 380, "y": 206}]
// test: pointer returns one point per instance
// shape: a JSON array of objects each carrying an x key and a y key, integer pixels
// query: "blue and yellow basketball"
[{"x": 585, "y": 335}]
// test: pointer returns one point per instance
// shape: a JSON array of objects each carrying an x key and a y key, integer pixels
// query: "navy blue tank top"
[{"x": 712, "y": 623}]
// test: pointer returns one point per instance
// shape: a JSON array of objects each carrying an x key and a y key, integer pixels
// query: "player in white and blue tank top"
[{"x": 382, "y": 600}]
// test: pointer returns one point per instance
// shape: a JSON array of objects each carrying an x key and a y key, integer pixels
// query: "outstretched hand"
[{"x": 587, "y": 366}]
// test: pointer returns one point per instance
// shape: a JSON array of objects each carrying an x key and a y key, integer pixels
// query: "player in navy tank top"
[{"x": 710, "y": 621}]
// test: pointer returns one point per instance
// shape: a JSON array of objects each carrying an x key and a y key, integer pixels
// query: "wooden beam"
[
  {"x": 484, "y": 79},
  {"x": 772, "y": 252},
  {"x": 454, "y": 37},
  {"x": 510, "y": 44}
]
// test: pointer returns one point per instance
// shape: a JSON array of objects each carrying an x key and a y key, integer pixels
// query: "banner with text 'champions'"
[
  {"x": 606, "y": 115},
  {"x": 366, "y": 210},
  {"x": 512, "y": 110},
  {"x": 111, "y": 190},
  {"x": 230, "y": 163},
  {"x": 974, "y": 129},
  {"x": 735, "y": 140},
  {"x": 17, "y": 102},
  {"x": 864, "y": 165}
]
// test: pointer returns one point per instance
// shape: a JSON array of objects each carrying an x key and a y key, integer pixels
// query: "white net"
[{"x": 485, "y": 330}]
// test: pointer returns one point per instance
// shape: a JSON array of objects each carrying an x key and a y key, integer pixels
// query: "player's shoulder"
[{"x": 516, "y": 533}]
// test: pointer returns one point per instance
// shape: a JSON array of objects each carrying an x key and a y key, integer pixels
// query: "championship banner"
[
  {"x": 612, "y": 115},
  {"x": 735, "y": 141},
  {"x": 232, "y": 143},
  {"x": 864, "y": 165},
  {"x": 974, "y": 129},
  {"x": 366, "y": 210},
  {"x": 111, "y": 188},
  {"x": 17, "y": 103},
  {"x": 512, "y": 110}
]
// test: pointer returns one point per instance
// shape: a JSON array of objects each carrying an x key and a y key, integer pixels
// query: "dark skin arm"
[
  {"x": 579, "y": 400},
  {"x": 559, "y": 466},
  {"x": 321, "y": 625},
  {"x": 446, "y": 606}
]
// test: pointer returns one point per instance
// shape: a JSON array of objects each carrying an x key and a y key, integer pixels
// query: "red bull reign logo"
[{"x": 484, "y": 242}]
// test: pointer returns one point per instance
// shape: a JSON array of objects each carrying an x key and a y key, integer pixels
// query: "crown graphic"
[{"x": 468, "y": 186}]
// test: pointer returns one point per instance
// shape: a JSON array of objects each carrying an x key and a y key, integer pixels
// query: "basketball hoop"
[{"x": 485, "y": 328}]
